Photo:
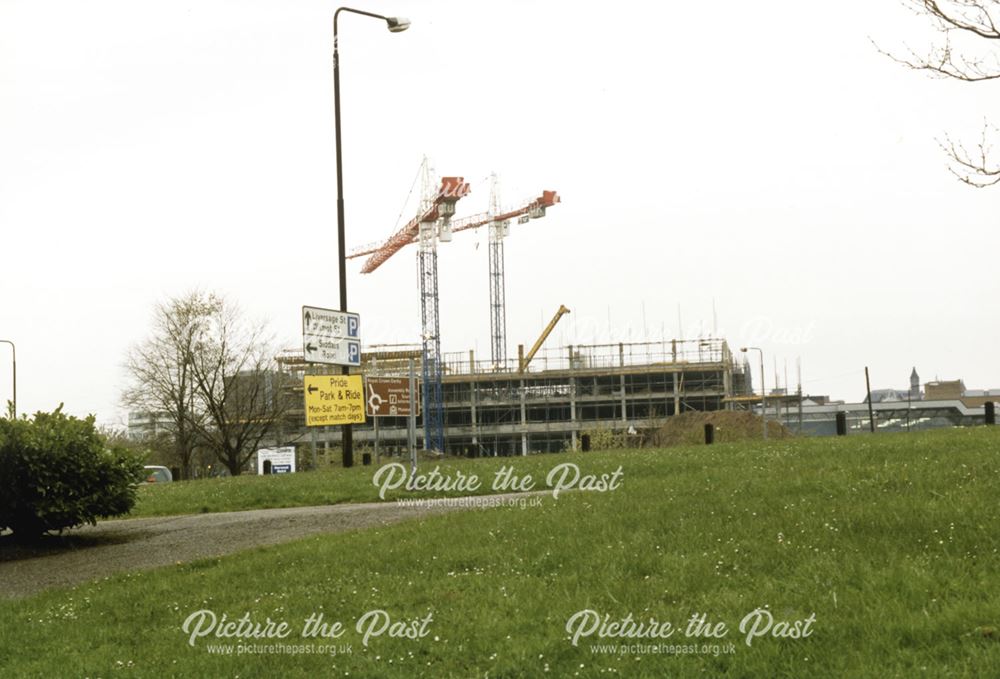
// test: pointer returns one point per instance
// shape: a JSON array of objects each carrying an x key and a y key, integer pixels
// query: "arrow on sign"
[
  {"x": 310, "y": 348},
  {"x": 313, "y": 389},
  {"x": 308, "y": 319}
]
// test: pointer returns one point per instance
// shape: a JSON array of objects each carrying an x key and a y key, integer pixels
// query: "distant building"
[
  {"x": 898, "y": 395},
  {"x": 144, "y": 425},
  {"x": 938, "y": 390},
  {"x": 944, "y": 390},
  {"x": 955, "y": 390},
  {"x": 889, "y": 396},
  {"x": 978, "y": 397}
]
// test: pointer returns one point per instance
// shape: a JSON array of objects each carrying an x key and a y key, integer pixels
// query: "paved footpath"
[{"x": 93, "y": 552}]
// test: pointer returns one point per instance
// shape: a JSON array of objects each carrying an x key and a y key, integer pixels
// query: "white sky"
[{"x": 761, "y": 155}]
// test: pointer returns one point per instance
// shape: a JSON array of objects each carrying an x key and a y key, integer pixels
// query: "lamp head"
[{"x": 397, "y": 24}]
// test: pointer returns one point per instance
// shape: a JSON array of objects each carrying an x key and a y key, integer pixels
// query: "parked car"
[{"x": 157, "y": 474}]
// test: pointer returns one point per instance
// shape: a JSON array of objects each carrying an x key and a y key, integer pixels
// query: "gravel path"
[{"x": 93, "y": 552}]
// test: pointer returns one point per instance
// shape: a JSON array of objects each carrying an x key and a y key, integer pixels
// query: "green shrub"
[
  {"x": 602, "y": 438},
  {"x": 57, "y": 471}
]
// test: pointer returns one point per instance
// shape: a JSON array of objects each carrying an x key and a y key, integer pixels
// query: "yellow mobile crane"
[{"x": 523, "y": 360}]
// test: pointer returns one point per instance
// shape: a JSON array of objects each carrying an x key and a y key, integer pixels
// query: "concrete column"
[
  {"x": 524, "y": 421},
  {"x": 727, "y": 384},
  {"x": 621, "y": 384},
  {"x": 475, "y": 425},
  {"x": 677, "y": 393},
  {"x": 666, "y": 394},
  {"x": 572, "y": 411}
]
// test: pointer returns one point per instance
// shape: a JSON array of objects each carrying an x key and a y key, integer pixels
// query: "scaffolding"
[{"x": 497, "y": 410}]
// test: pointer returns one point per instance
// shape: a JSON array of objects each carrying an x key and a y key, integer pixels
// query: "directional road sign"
[
  {"x": 330, "y": 336},
  {"x": 388, "y": 397},
  {"x": 334, "y": 399}
]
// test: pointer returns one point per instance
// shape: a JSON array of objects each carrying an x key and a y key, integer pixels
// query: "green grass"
[
  {"x": 891, "y": 541},
  {"x": 229, "y": 494},
  {"x": 333, "y": 486}
]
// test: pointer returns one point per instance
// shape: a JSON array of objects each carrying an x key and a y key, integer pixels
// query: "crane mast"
[
  {"x": 498, "y": 304},
  {"x": 433, "y": 398},
  {"x": 435, "y": 225},
  {"x": 437, "y": 208}
]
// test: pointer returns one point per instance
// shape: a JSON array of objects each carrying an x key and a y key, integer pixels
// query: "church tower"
[{"x": 914, "y": 384}]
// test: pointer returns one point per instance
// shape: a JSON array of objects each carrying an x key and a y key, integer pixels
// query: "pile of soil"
[{"x": 730, "y": 426}]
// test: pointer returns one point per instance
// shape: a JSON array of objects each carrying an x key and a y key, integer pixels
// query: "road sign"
[
  {"x": 330, "y": 336},
  {"x": 388, "y": 397},
  {"x": 334, "y": 399}
]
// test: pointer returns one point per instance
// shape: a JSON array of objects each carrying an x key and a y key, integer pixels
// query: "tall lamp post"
[
  {"x": 763, "y": 391},
  {"x": 13, "y": 353},
  {"x": 395, "y": 25}
]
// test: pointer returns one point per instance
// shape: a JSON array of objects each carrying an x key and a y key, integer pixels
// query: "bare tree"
[
  {"x": 966, "y": 49},
  {"x": 237, "y": 384},
  {"x": 161, "y": 375}
]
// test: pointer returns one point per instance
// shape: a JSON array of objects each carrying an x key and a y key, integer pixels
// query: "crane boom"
[
  {"x": 442, "y": 207},
  {"x": 411, "y": 232},
  {"x": 544, "y": 336},
  {"x": 534, "y": 208}
]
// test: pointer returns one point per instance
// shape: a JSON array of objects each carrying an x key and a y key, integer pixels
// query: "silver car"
[{"x": 157, "y": 474}]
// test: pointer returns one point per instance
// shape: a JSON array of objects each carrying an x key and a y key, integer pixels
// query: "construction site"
[
  {"x": 549, "y": 404},
  {"x": 550, "y": 399},
  {"x": 545, "y": 398}
]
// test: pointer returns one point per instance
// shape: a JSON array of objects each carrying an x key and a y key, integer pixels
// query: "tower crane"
[
  {"x": 433, "y": 223},
  {"x": 436, "y": 208},
  {"x": 499, "y": 227}
]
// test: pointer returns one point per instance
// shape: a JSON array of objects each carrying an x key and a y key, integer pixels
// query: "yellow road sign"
[{"x": 334, "y": 399}]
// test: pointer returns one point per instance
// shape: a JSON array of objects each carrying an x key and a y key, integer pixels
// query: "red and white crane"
[
  {"x": 496, "y": 218},
  {"x": 433, "y": 223}
]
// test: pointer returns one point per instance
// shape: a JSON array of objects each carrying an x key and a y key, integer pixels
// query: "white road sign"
[
  {"x": 330, "y": 336},
  {"x": 282, "y": 459}
]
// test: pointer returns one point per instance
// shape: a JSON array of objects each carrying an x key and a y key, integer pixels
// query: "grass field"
[
  {"x": 889, "y": 543},
  {"x": 335, "y": 486}
]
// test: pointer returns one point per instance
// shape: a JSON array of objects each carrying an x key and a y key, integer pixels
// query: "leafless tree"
[
  {"x": 161, "y": 378},
  {"x": 237, "y": 385},
  {"x": 966, "y": 49}
]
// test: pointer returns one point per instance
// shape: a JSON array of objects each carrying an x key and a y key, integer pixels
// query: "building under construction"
[
  {"x": 542, "y": 401},
  {"x": 548, "y": 404}
]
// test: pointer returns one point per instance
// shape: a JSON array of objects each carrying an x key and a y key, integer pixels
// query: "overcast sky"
[{"x": 761, "y": 156}]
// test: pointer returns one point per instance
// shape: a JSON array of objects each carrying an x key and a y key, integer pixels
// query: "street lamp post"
[
  {"x": 395, "y": 25},
  {"x": 13, "y": 353},
  {"x": 763, "y": 391}
]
